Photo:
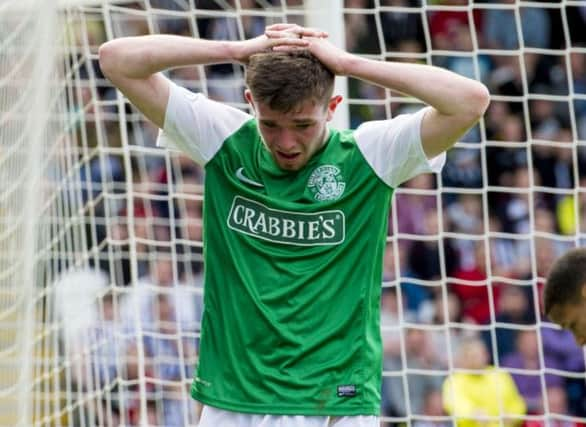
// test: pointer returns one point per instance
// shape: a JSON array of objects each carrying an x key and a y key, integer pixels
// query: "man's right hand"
[{"x": 290, "y": 35}]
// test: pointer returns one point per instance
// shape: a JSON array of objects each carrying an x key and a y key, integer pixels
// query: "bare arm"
[
  {"x": 457, "y": 102},
  {"x": 133, "y": 64}
]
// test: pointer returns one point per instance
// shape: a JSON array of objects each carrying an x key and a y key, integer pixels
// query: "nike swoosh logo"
[{"x": 240, "y": 175}]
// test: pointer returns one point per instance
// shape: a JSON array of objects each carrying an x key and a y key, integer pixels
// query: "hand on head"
[
  {"x": 283, "y": 30},
  {"x": 277, "y": 37},
  {"x": 291, "y": 37}
]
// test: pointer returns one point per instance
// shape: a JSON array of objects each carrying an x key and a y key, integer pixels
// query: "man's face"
[
  {"x": 572, "y": 316},
  {"x": 294, "y": 137},
  {"x": 474, "y": 356}
]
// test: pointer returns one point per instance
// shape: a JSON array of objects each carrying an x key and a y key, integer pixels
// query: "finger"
[
  {"x": 282, "y": 34},
  {"x": 288, "y": 42},
  {"x": 310, "y": 32},
  {"x": 301, "y": 31},
  {"x": 286, "y": 48},
  {"x": 291, "y": 34},
  {"x": 280, "y": 26}
]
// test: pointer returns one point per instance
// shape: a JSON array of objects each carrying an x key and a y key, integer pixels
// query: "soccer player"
[
  {"x": 295, "y": 214},
  {"x": 564, "y": 294}
]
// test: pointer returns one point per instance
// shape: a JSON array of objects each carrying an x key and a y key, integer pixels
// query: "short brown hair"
[
  {"x": 565, "y": 280},
  {"x": 284, "y": 80}
]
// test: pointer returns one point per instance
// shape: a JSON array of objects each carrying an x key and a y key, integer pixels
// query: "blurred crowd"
[{"x": 463, "y": 266}]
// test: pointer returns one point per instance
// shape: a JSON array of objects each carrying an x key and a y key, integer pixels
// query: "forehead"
[
  {"x": 473, "y": 347},
  {"x": 306, "y": 110}
]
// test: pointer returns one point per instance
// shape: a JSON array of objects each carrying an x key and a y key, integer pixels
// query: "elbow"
[
  {"x": 107, "y": 58},
  {"x": 480, "y": 99},
  {"x": 125, "y": 57}
]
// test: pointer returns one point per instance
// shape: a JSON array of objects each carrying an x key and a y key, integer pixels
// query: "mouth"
[{"x": 287, "y": 156}]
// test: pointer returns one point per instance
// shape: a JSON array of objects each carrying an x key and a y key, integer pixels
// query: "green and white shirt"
[{"x": 293, "y": 260}]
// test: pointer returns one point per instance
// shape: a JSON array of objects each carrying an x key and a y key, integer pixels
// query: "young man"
[
  {"x": 564, "y": 294},
  {"x": 295, "y": 214}
]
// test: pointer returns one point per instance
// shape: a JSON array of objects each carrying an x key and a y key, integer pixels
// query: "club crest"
[{"x": 326, "y": 183}]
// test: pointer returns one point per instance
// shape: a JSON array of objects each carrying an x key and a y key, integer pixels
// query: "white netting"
[
  {"x": 118, "y": 292},
  {"x": 27, "y": 129}
]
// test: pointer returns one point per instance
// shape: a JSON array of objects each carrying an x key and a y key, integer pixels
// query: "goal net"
[{"x": 100, "y": 231}]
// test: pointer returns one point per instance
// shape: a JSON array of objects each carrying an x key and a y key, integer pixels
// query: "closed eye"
[{"x": 302, "y": 126}]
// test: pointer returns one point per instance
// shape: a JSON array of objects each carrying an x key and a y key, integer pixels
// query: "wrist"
[
  {"x": 232, "y": 50},
  {"x": 349, "y": 65}
]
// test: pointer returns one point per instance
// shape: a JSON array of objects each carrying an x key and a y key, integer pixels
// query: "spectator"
[
  {"x": 515, "y": 308},
  {"x": 481, "y": 395},
  {"x": 544, "y": 120},
  {"x": 106, "y": 347},
  {"x": 413, "y": 294},
  {"x": 390, "y": 323},
  {"x": 500, "y": 27},
  {"x": 359, "y": 35},
  {"x": 392, "y": 346},
  {"x": 578, "y": 70},
  {"x": 444, "y": 24},
  {"x": 399, "y": 27},
  {"x": 466, "y": 215},
  {"x": 508, "y": 259},
  {"x": 528, "y": 358},
  {"x": 425, "y": 256},
  {"x": 557, "y": 404},
  {"x": 420, "y": 357},
  {"x": 169, "y": 354},
  {"x": 478, "y": 293},
  {"x": 453, "y": 331},
  {"x": 515, "y": 207},
  {"x": 463, "y": 169},
  {"x": 566, "y": 211},
  {"x": 466, "y": 65},
  {"x": 433, "y": 409},
  {"x": 162, "y": 279},
  {"x": 562, "y": 351},
  {"x": 412, "y": 201}
]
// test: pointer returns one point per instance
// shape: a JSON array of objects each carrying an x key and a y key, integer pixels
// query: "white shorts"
[{"x": 214, "y": 417}]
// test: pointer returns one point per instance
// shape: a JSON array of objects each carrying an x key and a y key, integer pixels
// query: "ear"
[
  {"x": 332, "y": 105},
  {"x": 248, "y": 97}
]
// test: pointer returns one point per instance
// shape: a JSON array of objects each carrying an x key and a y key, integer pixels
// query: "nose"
[{"x": 287, "y": 141}]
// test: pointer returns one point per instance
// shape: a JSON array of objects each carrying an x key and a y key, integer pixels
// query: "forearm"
[
  {"x": 140, "y": 57},
  {"x": 447, "y": 92}
]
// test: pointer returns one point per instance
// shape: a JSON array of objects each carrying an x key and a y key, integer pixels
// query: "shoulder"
[
  {"x": 394, "y": 149},
  {"x": 410, "y": 122},
  {"x": 197, "y": 125}
]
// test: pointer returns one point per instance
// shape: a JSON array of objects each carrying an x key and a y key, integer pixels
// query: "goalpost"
[
  {"x": 28, "y": 128},
  {"x": 100, "y": 231}
]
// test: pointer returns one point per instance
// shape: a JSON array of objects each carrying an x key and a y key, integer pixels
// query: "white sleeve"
[
  {"x": 393, "y": 148},
  {"x": 196, "y": 125}
]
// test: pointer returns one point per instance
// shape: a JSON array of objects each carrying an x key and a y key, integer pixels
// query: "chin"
[{"x": 290, "y": 167}]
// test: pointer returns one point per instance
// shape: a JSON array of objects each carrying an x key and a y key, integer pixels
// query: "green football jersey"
[{"x": 293, "y": 260}]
